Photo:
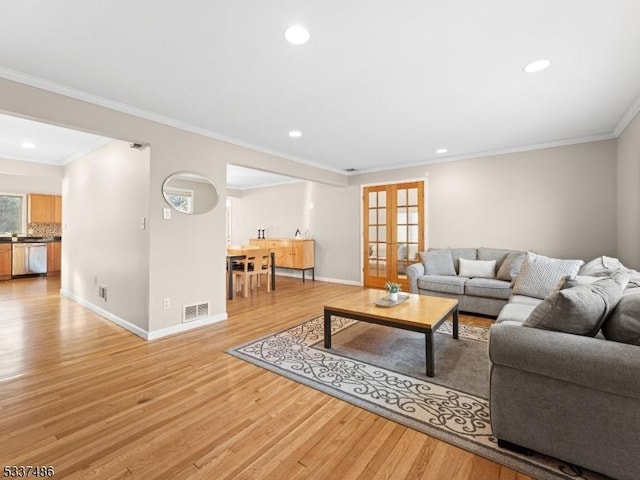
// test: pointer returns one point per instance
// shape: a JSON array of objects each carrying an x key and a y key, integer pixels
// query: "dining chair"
[{"x": 256, "y": 263}]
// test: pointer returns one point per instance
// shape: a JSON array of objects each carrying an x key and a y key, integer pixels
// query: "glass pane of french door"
[
  {"x": 376, "y": 240},
  {"x": 407, "y": 227}
]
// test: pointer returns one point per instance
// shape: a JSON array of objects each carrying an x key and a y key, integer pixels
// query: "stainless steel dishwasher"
[{"x": 29, "y": 258}]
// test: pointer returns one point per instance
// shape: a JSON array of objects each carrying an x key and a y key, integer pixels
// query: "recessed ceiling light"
[
  {"x": 441, "y": 150},
  {"x": 297, "y": 34},
  {"x": 537, "y": 66},
  {"x": 295, "y": 133},
  {"x": 28, "y": 145}
]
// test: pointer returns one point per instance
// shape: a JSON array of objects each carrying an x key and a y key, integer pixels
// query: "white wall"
[
  {"x": 28, "y": 177},
  {"x": 628, "y": 199},
  {"x": 278, "y": 209},
  {"x": 106, "y": 195},
  {"x": 315, "y": 208}
]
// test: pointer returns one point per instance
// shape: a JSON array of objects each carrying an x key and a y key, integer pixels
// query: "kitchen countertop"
[{"x": 31, "y": 239}]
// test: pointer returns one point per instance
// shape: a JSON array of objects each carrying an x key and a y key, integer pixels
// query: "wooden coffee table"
[{"x": 419, "y": 313}]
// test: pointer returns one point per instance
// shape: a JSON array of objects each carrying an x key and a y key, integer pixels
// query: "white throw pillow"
[
  {"x": 477, "y": 268},
  {"x": 539, "y": 275}
]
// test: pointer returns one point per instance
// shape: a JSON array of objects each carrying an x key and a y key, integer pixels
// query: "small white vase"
[{"x": 393, "y": 296}]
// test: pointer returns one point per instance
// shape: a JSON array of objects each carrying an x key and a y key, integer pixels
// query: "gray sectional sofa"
[
  {"x": 564, "y": 350},
  {"x": 565, "y": 374},
  {"x": 484, "y": 295}
]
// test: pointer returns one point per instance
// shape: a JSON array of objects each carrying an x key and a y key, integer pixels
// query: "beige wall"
[
  {"x": 557, "y": 201},
  {"x": 28, "y": 177},
  {"x": 628, "y": 199},
  {"x": 106, "y": 196}
]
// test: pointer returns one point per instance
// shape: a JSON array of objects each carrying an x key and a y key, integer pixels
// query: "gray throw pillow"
[
  {"x": 623, "y": 325},
  {"x": 438, "y": 262},
  {"x": 540, "y": 275},
  {"x": 581, "y": 309},
  {"x": 510, "y": 267}
]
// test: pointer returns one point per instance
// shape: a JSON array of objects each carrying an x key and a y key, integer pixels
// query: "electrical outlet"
[
  {"x": 143, "y": 223},
  {"x": 102, "y": 292},
  {"x": 166, "y": 213},
  {"x": 166, "y": 303}
]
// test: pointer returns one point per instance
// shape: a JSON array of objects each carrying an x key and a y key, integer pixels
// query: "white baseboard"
[
  {"x": 184, "y": 327},
  {"x": 298, "y": 274},
  {"x": 153, "y": 335},
  {"x": 337, "y": 280}
]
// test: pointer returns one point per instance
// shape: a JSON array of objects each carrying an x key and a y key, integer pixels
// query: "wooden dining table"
[{"x": 234, "y": 254}]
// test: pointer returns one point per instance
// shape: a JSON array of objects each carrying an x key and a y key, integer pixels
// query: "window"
[
  {"x": 12, "y": 213},
  {"x": 180, "y": 198}
]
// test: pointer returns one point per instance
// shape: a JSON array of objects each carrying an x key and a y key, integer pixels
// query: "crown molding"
[
  {"x": 626, "y": 119},
  {"x": 490, "y": 153}
]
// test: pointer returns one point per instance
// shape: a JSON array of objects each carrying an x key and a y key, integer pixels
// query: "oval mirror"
[{"x": 190, "y": 193}]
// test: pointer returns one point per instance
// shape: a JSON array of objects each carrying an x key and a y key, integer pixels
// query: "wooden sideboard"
[{"x": 290, "y": 253}]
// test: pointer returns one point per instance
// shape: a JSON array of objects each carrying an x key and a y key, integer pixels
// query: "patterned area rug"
[{"x": 453, "y": 416}]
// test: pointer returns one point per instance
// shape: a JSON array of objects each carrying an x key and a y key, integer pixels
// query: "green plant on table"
[{"x": 392, "y": 287}]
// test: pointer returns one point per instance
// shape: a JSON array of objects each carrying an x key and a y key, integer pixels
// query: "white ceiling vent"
[{"x": 194, "y": 312}]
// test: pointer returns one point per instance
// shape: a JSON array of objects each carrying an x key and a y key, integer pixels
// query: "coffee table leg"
[
  {"x": 429, "y": 352},
  {"x": 455, "y": 323},
  {"x": 327, "y": 330}
]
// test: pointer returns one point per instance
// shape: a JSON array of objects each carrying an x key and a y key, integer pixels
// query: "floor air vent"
[{"x": 194, "y": 312}]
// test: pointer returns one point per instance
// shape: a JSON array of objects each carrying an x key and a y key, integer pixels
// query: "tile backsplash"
[{"x": 45, "y": 229}]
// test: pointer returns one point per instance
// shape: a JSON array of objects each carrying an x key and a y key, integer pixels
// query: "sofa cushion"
[
  {"x": 515, "y": 312},
  {"x": 458, "y": 253},
  {"x": 600, "y": 266},
  {"x": 488, "y": 287},
  {"x": 524, "y": 300},
  {"x": 443, "y": 283},
  {"x": 604, "y": 266},
  {"x": 539, "y": 275},
  {"x": 581, "y": 309},
  {"x": 477, "y": 268},
  {"x": 623, "y": 325},
  {"x": 438, "y": 262},
  {"x": 511, "y": 266},
  {"x": 497, "y": 254},
  {"x": 569, "y": 282}
]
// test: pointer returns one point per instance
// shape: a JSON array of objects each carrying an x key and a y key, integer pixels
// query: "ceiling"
[
  {"x": 31, "y": 141},
  {"x": 23, "y": 139},
  {"x": 380, "y": 84}
]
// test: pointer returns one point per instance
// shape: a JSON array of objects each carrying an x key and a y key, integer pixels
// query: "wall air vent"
[{"x": 194, "y": 312}]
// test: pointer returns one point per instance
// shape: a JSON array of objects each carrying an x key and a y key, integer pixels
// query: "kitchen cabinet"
[
  {"x": 290, "y": 253},
  {"x": 5, "y": 261},
  {"x": 43, "y": 208},
  {"x": 54, "y": 257},
  {"x": 57, "y": 209}
]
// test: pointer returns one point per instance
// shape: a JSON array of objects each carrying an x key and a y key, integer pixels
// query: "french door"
[{"x": 393, "y": 225}]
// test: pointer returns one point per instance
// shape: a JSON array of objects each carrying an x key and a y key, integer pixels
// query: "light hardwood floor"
[{"x": 93, "y": 400}]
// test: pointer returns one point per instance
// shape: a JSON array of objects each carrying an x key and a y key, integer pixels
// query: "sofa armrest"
[
  {"x": 414, "y": 271},
  {"x": 592, "y": 362}
]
